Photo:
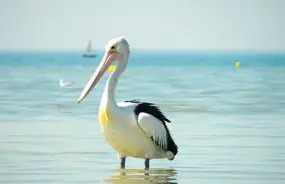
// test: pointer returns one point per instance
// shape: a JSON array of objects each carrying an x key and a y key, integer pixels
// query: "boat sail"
[{"x": 89, "y": 52}]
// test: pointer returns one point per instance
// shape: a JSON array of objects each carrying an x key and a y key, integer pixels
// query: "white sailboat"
[{"x": 89, "y": 52}]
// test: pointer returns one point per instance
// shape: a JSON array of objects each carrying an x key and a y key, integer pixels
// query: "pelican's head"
[
  {"x": 119, "y": 45},
  {"x": 116, "y": 50}
]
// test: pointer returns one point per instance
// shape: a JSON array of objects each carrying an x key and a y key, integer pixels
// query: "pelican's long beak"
[{"x": 107, "y": 60}]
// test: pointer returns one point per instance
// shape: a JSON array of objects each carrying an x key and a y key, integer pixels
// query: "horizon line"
[{"x": 148, "y": 50}]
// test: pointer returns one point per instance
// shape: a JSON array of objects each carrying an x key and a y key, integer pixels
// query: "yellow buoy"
[
  {"x": 112, "y": 68},
  {"x": 238, "y": 64}
]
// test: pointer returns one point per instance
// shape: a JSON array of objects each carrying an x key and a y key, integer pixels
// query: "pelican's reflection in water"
[{"x": 138, "y": 176}]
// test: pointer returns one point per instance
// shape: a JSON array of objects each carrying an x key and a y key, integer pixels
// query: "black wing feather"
[{"x": 153, "y": 110}]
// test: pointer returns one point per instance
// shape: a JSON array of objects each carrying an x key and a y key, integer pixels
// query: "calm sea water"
[{"x": 229, "y": 122}]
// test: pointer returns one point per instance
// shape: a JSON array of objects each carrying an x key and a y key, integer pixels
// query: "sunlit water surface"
[{"x": 229, "y": 123}]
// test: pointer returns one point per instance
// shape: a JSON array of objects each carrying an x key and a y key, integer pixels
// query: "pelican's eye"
[{"x": 113, "y": 47}]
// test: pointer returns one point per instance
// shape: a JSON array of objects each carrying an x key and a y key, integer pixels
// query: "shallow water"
[{"x": 228, "y": 122}]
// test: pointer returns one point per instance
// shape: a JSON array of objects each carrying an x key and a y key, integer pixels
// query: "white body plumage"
[{"x": 131, "y": 136}]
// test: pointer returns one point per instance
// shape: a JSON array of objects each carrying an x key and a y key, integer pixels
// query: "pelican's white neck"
[{"x": 109, "y": 92}]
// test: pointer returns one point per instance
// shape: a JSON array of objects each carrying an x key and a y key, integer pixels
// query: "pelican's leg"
[
  {"x": 146, "y": 163},
  {"x": 123, "y": 161}
]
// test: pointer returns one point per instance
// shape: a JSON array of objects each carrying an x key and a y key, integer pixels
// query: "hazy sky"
[{"x": 147, "y": 24}]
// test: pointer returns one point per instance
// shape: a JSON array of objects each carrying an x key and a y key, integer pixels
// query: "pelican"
[{"x": 132, "y": 128}]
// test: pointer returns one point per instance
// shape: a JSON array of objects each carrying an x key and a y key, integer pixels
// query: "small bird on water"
[
  {"x": 132, "y": 128},
  {"x": 63, "y": 83}
]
